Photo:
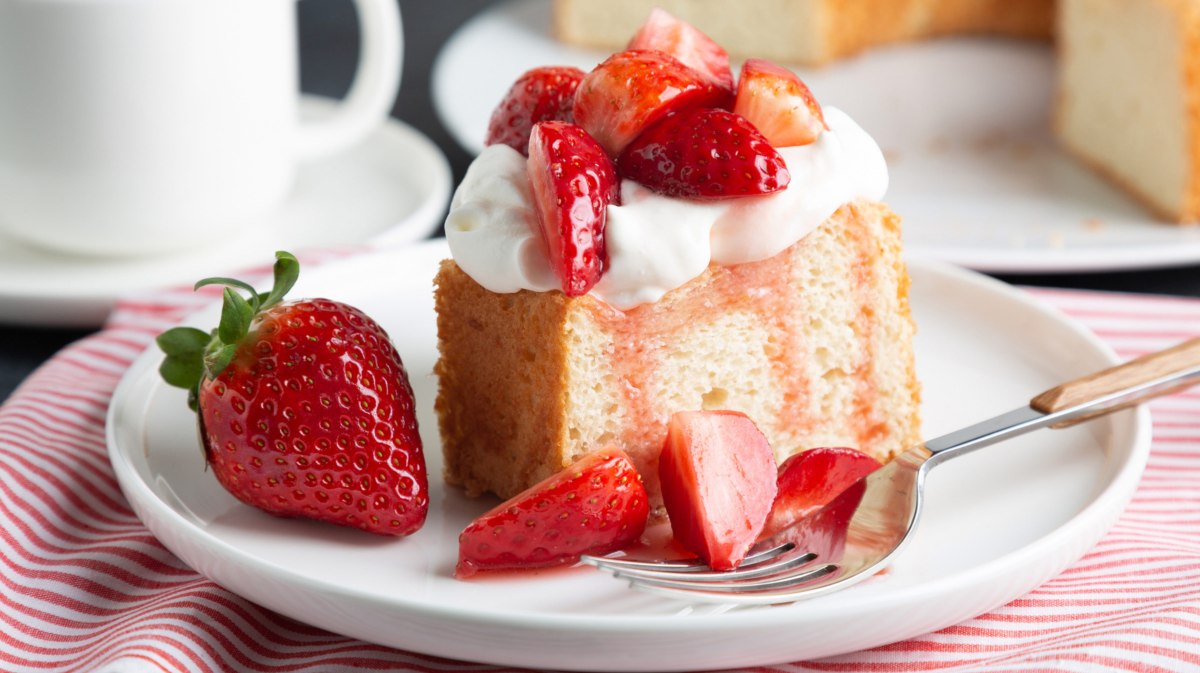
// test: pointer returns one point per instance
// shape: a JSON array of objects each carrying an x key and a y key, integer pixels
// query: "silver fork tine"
[
  {"x": 778, "y": 560},
  {"x": 777, "y": 582},
  {"x": 691, "y": 567}
]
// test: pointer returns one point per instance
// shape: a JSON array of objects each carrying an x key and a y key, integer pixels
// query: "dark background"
[{"x": 328, "y": 42}]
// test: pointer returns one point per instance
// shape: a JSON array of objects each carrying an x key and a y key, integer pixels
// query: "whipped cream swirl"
[{"x": 657, "y": 243}]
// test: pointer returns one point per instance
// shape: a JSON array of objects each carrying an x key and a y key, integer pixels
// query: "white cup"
[{"x": 132, "y": 127}]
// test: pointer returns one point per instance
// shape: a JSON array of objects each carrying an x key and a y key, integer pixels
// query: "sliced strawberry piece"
[
  {"x": 718, "y": 481},
  {"x": 632, "y": 89},
  {"x": 704, "y": 153},
  {"x": 809, "y": 480},
  {"x": 779, "y": 104},
  {"x": 573, "y": 182},
  {"x": 662, "y": 31},
  {"x": 596, "y": 506},
  {"x": 541, "y": 94}
]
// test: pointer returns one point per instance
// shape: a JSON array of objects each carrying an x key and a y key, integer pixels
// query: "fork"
[{"x": 860, "y": 531}]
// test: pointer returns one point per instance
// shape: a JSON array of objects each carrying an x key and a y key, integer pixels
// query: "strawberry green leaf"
[
  {"x": 236, "y": 314},
  {"x": 181, "y": 372},
  {"x": 229, "y": 282},
  {"x": 182, "y": 341},
  {"x": 184, "y": 364},
  {"x": 287, "y": 270}
]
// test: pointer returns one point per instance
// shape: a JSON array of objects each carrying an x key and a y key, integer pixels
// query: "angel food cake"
[
  {"x": 811, "y": 32},
  {"x": 652, "y": 237}
]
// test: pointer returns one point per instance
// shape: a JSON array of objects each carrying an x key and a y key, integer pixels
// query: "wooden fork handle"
[{"x": 1143, "y": 370}]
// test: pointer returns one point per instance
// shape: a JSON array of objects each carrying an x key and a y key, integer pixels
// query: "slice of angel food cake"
[{"x": 655, "y": 237}]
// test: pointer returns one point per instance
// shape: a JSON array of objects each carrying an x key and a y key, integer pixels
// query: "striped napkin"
[{"x": 84, "y": 586}]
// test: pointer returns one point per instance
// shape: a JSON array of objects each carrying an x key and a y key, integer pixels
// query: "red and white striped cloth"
[{"x": 84, "y": 587}]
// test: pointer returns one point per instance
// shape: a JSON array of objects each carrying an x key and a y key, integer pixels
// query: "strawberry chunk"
[
  {"x": 779, "y": 104},
  {"x": 704, "y": 153},
  {"x": 662, "y": 31},
  {"x": 718, "y": 481},
  {"x": 541, "y": 94},
  {"x": 596, "y": 506},
  {"x": 810, "y": 480},
  {"x": 573, "y": 182},
  {"x": 632, "y": 89}
]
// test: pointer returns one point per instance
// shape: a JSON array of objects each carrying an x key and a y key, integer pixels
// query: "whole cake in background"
[
  {"x": 806, "y": 32},
  {"x": 657, "y": 236},
  {"x": 1128, "y": 100}
]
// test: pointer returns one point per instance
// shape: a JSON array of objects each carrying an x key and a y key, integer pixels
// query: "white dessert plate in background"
[
  {"x": 998, "y": 523},
  {"x": 965, "y": 124},
  {"x": 391, "y": 188}
]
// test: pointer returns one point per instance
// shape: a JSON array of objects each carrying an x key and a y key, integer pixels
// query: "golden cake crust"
[
  {"x": 501, "y": 383},
  {"x": 814, "y": 344}
]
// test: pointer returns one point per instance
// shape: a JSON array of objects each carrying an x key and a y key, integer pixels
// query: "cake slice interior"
[
  {"x": 1128, "y": 93},
  {"x": 814, "y": 344}
]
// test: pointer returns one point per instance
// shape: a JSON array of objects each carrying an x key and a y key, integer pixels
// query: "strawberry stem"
[{"x": 193, "y": 355}]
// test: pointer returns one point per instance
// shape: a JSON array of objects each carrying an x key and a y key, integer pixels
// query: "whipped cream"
[{"x": 656, "y": 243}]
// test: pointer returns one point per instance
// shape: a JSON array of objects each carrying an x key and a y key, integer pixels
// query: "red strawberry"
[
  {"x": 662, "y": 31},
  {"x": 823, "y": 531},
  {"x": 718, "y": 481},
  {"x": 809, "y": 480},
  {"x": 778, "y": 103},
  {"x": 573, "y": 182},
  {"x": 596, "y": 506},
  {"x": 632, "y": 89},
  {"x": 704, "y": 153},
  {"x": 541, "y": 94},
  {"x": 305, "y": 408}
]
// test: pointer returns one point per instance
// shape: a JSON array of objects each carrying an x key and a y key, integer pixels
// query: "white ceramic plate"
[
  {"x": 998, "y": 523},
  {"x": 965, "y": 124},
  {"x": 391, "y": 188}
]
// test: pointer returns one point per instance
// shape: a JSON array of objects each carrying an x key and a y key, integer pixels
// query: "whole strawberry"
[{"x": 304, "y": 406}]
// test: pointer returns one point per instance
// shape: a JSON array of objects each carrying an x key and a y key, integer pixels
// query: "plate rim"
[{"x": 1112, "y": 499}]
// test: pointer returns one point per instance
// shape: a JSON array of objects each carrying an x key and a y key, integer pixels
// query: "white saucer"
[
  {"x": 965, "y": 123},
  {"x": 390, "y": 189}
]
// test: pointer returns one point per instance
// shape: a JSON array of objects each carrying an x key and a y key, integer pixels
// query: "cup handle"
[{"x": 373, "y": 91}]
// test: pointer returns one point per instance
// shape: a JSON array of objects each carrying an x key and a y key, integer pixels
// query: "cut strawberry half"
[
  {"x": 541, "y": 94},
  {"x": 810, "y": 480},
  {"x": 779, "y": 104},
  {"x": 704, "y": 153},
  {"x": 632, "y": 89},
  {"x": 598, "y": 505},
  {"x": 663, "y": 31},
  {"x": 718, "y": 482},
  {"x": 573, "y": 182}
]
